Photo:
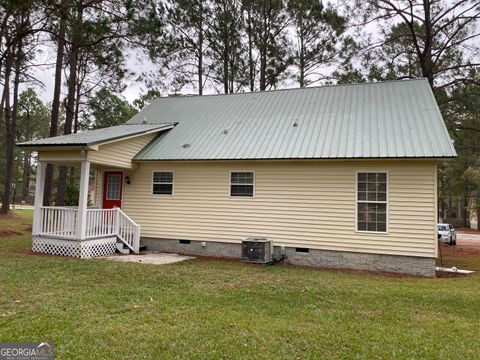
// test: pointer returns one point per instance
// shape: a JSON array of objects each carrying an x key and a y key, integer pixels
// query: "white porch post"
[
  {"x": 39, "y": 187},
  {"x": 83, "y": 200}
]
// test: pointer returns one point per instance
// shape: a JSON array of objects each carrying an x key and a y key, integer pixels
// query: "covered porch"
[
  {"x": 80, "y": 231},
  {"x": 89, "y": 231}
]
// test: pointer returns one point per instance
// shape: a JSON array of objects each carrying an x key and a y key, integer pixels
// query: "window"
[
  {"x": 162, "y": 183},
  {"x": 113, "y": 187},
  {"x": 241, "y": 184},
  {"x": 372, "y": 202}
]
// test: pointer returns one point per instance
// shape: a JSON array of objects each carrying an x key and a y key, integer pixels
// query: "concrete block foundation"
[{"x": 412, "y": 265}]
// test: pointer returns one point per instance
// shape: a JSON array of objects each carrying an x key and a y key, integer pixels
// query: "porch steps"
[{"x": 123, "y": 249}]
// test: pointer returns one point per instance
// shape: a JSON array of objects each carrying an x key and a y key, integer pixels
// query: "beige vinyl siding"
[
  {"x": 296, "y": 203},
  {"x": 119, "y": 153}
]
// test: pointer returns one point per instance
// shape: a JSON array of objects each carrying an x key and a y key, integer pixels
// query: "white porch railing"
[
  {"x": 59, "y": 221},
  {"x": 128, "y": 231},
  {"x": 62, "y": 222},
  {"x": 101, "y": 222}
]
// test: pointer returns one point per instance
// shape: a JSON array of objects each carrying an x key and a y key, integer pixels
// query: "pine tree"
[
  {"x": 227, "y": 49},
  {"x": 318, "y": 33},
  {"x": 266, "y": 24}
]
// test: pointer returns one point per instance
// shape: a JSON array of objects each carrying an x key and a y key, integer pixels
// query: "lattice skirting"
[{"x": 85, "y": 249}]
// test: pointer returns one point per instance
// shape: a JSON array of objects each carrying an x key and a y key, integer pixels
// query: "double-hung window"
[
  {"x": 162, "y": 183},
  {"x": 242, "y": 183},
  {"x": 372, "y": 197}
]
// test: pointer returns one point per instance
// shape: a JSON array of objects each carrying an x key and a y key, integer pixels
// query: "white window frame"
[
  {"x": 386, "y": 202},
  {"x": 120, "y": 190},
  {"x": 173, "y": 182},
  {"x": 230, "y": 184}
]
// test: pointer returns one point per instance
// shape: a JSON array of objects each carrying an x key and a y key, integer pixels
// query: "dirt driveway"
[
  {"x": 465, "y": 254},
  {"x": 468, "y": 239}
]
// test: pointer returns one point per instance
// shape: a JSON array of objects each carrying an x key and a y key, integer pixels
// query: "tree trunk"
[
  {"x": 477, "y": 211},
  {"x": 70, "y": 107},
  {"x": 77, "y": 107},
  {"x": 225, "y": 70},
  {"x": 10, "y": 127},
  {"x": 250, "y": 52},
  {"x": 263, "y": 70},
  {"x": 301, "y": 58},
  {"x": 47, "y": 195},
  {"x": 6, "y": 104},
  {"x": 232, "y": 73},
  {"x": 200, "y": 52},
  {"x": 3, "y": 29},
  {"x": 449, "y": 204},
  {"x": 26, "y": 177},
  {"x": 6, "y": 81},
  {"x": 302, "y": 71},
  {"x": 263, "y": 55},
  {"x": 426, "y": 58},
  {"x": 465, "y": 205},
  {"x": 442, "y": 208}
]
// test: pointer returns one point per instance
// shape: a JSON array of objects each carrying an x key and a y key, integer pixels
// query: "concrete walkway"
[{"x": 149, "y": 257}]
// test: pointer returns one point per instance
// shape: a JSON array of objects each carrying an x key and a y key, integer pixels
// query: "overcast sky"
[
  {"x": 47, "y": 76},
  {"x": 133, "y": 89},
  {"x": 133, "y": 63}
]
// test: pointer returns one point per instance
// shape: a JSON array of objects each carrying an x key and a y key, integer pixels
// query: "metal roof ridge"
[{"x": 195, "y": 96}]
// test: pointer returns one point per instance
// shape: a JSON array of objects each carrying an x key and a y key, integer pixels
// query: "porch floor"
[{"x": 149, "y": 257}]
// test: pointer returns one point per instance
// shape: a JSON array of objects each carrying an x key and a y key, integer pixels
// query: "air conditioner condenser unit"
[{"x": 257, "y": 250}]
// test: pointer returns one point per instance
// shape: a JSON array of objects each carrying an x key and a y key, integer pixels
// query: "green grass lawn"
[{"x": 205, "y": 309}]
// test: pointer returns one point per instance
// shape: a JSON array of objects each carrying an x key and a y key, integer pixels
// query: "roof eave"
[
  {"x": 38, "y": 147},
  {"x": 424, "y": 158},
  {"x": 93, "y": 145}
]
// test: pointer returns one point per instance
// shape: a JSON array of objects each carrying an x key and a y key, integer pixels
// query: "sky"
[
  {"x": 137, "y": 63},
  {"x": 46, "y": 75},
  {"x": 134, "y": 62}
]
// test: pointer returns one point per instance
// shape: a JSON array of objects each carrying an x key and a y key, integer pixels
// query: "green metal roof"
[
  {"x": 396, "y": 119},
  {"x": 98, "y": 136}
]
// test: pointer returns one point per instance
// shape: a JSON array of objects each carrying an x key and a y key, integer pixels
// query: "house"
[{"x": 337, "y": 176}]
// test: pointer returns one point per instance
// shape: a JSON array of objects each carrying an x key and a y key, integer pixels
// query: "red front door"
[{"x": 112, "y": 189}]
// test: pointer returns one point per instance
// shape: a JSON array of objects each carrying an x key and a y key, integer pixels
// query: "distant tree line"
[{"x": 227, "y": 46}]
